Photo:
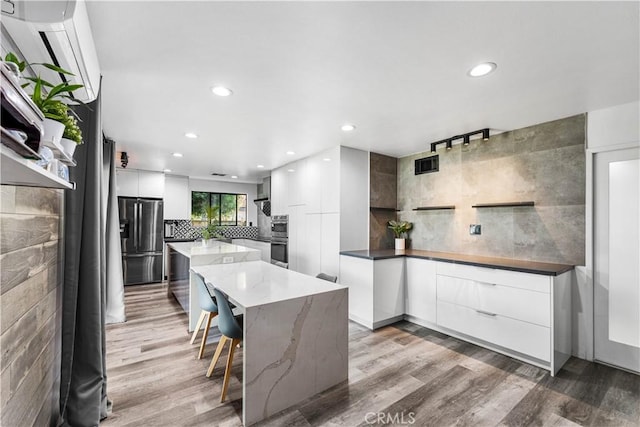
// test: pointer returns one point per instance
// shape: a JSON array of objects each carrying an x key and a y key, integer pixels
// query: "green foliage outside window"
[{"x": 218, "y": 209}]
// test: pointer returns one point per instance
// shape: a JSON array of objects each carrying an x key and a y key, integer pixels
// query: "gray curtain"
[
  {"x": 83, "y": 381},
  {"x": 115, "y": 281}
]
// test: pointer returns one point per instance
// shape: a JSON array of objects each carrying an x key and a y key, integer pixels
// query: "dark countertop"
[
  {"x": 170, "y": 240},
  {"x": 544, "y": 268}
]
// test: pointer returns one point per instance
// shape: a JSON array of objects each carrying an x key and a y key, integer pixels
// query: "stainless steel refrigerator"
[{"x": 141, "y": 236}]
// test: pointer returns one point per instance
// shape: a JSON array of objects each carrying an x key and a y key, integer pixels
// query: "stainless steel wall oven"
[{"x": 280, "y": 240}]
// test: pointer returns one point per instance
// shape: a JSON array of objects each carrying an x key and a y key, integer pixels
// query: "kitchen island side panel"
[{"x": 293, "y": 349}]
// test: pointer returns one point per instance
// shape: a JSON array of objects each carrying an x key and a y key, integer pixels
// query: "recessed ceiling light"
[
  {"x": 482, "y": 69},
  {"x": 234, "y": 176},
  {"x": 260, "y": 166},
  {"x": 348, "y": 127},
  {"x": 177, "y": 154},
  {"x": 290, "y": 153},
  {"x": 291, "y": 170},
  {"x": 166, "y": 170},
  {"x": 326, "y": 159},
  {"x": 191, "y": 135},
  {"x": 221, "y": 91}
]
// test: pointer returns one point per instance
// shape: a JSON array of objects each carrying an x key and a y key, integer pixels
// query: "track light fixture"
[{"x": 466, "y": 138}]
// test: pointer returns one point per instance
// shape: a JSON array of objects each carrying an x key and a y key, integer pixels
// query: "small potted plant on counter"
[{"x": 400, "y": 229}]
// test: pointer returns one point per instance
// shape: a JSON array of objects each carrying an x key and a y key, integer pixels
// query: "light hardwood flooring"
[{"x": 399, "y": 375}]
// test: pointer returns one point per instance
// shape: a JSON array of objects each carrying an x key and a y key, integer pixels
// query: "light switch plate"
[
  {"x": 475, "y": 229},
  {"x": 227, "y": 260}
]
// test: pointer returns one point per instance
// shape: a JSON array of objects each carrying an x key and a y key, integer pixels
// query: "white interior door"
[{"x": 617, "y": 258}]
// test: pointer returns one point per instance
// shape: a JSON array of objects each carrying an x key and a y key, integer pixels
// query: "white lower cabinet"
[
  {"x": 524, "y": 315},
  {"x": 420, "y": 298},
  {"x": 376, "y": 290},
  {"x": 526, "y": 338}
]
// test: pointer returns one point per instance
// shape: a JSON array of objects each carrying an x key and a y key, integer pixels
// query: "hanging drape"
[
  {"x": 83, "y": 381},
  {"x": 115, "y": 281}
]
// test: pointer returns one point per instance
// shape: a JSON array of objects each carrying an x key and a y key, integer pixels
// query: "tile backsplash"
[{"x": 185, "y": 230}]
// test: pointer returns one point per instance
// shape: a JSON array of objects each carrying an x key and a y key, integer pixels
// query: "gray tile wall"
[
  {"x": 30, "y": 304},
  {"x": 543, "y": 163}
]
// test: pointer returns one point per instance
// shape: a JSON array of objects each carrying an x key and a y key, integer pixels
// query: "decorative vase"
[
  {"x": 400, "y": 244},
  {"x": 69, "y": 146},
  {"x": 53, "y": 131}
]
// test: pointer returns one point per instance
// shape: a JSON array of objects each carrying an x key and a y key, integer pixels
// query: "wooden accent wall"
[{"x": 30, "y": 304}]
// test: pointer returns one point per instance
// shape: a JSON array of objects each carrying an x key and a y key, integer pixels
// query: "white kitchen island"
[
  {"x": 295, "y": 333},
  {"x": 183, "y": 255}
]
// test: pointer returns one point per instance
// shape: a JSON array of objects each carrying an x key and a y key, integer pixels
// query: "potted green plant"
[
  {"x": 49, "y": 99},
  {"x": 400, "y": 229},
  {"x": 211, "y": 231}
]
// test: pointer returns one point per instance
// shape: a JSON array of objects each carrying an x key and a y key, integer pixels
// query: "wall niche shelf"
[
  {"x": 379, "y": 208},
  {"x": 503, "y": 205},
  {"x": 434, "y": 208}
]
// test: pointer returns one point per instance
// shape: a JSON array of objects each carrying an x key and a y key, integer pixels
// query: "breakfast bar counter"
[{"x": 295, "y": 333}]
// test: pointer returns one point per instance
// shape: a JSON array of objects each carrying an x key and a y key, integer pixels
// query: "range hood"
[{"x": 264, "y": 194}]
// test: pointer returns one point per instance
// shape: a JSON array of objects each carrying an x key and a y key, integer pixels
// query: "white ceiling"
[{"x": 299, "y": 70}]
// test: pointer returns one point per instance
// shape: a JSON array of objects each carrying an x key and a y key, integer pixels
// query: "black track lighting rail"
[{"x": 465, "y": 137}]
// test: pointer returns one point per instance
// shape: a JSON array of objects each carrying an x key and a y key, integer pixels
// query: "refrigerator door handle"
[
  {"x": 140, "y": 223},
  {"x": 135, "y": 226}
]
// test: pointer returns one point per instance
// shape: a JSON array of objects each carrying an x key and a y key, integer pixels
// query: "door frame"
[{"x": 589, "y": 297}]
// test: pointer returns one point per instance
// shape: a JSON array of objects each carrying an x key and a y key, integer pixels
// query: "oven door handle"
[{"x": 279, "y": 243}]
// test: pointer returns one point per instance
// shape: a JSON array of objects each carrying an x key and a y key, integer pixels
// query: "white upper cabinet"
[
  {"x": 127, "y": 182},
  {"x": 330, "y": 179},
  {"x": 150, "y": 184},
  {"x": 279, "y": 184},
  {"x": 322, "y": 189},
  {"x": 297, "y": 182},
  {"x": 136, "y": 183},
  {"x": 177, "y": 197}
]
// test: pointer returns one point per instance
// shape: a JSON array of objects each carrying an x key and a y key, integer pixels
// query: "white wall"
[
  {"x": 229, "y": 187},
  {"x": 614, "y": 126}
]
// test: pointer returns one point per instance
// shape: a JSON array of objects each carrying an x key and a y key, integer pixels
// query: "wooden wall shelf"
[
  {"x": 377, "y": 208},
  {"x": 503, "y": 205},
  {"x": 434, "y": 208}
]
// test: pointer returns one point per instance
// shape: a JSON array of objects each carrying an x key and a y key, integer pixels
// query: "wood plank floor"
[{"x": 399, "y": 375}]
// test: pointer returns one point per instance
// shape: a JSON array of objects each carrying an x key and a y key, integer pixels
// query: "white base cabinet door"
[{"x": 420, "y": 301}]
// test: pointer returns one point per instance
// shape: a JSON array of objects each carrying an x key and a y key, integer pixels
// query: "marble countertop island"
[
  {"x": 184, "y": 255},
  {"x": 295, "y": 333},
  {"x": 213, "y": 251}
]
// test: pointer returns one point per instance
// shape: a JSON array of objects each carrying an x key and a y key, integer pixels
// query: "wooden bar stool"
[
  {"x": 231, "y": 328},
  {"x": 209, "y": 310}
]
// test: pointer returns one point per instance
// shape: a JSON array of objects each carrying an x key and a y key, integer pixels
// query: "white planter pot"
[
  {"x": 69, "y": 146},
  {"x": 53, "y": 131},
  {"x": 400, "y": 244}
]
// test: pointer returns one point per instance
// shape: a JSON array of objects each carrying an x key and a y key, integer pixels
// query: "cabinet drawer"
[
  {"x": 523, "y": 337},
  {"x": 532, "y": 282},
  {"x": 519, "y": 304}
]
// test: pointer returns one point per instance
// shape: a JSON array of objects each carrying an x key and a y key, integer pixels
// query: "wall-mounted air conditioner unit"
[{"x": 56, "y": 32}]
